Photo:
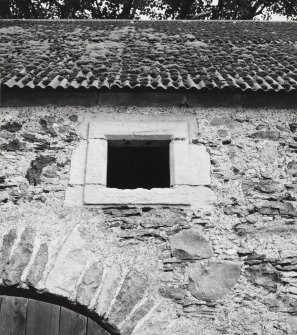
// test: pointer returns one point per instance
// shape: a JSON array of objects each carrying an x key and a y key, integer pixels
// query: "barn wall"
[{"x": 230, "y": 269}]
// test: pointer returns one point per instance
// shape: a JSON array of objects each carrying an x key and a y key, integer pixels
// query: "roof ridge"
[{"x": 146, "y": 20}]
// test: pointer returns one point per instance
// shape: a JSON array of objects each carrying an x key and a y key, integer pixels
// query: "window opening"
[{"x": 138, "y": 164}]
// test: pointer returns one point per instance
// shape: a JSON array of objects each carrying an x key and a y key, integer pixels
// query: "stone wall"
[{"x": 229, "y": 269}]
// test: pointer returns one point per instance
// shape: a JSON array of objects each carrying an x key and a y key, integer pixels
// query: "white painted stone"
[
  {"x": 179, "y": 163},
  {"x": 78, "y": 164},
  {"x": 202, "y": 197},
  {"x": 109, "y": 288},
  {"x": 132, "y": 129},
  {"x": 96, "y": 195},
  {"x": 74, "y": 196},
  {"x": 96, "y": 170},
  {"x": 200, "y": 165},
  {"x": 68, "y": 266}
]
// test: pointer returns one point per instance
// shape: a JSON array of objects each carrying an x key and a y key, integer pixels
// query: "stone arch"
[
  {"x": 113, "y": 296},
  {"x": 20, "y": 314}
]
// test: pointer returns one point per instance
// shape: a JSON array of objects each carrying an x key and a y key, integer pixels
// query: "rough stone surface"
[
  {"x": 202, "y": 197},
  {"x": 96, "y": 195},
  {"x": 90, "y": 284},
  {"x": 8, "y": 241},
  {"x": 252, "y": 221},
  {"x": 156, "y": 323},
  {"x": 293, "y": 324},
  {"x": 130, "y": 294},
  {"x": 190, "y": 244},
  {"x": 140, "y": 312},
  {"x": 278, "y": 208},
  {"x": 78, "y": 164},
  {"x": 69, "y": 265},
  {"x": 96, "y": 164},
  {"x": 210, "y": 282},
  {"x": 200, "y": 165},
  {"x": 11, "y": 127},
  {"x": 233, "y": 125},
  {"x": 109, "y": 288},
  {"x": 38, "y": 267},
  {"x": 34, "y": 172},
  {"x": 166, "y": 218},
  {"x": 20, "y": 258},
  {"x": 269, "y": 186},
  {"x": 266, "y": 135}
]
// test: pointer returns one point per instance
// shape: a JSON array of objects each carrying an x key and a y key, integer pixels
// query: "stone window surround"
[{"x": 189, "y": 164}]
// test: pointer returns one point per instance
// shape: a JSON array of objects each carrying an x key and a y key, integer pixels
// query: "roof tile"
[{"x": 241, "y": 55}]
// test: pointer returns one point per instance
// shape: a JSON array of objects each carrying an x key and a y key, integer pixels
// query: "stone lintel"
[{"x": 149, "y": 129}]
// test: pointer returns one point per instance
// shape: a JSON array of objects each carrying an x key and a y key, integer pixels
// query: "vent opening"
[{"x": 138, "y": 164}]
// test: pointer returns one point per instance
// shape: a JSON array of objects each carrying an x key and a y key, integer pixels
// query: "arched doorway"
[{"x": 23, "y": 316}]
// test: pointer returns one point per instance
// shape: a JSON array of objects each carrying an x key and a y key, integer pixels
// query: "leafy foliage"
[
  {"x": 71, "y": 9},
  {"x": 222, "y": 9},
  {"x": 156, "y": 9}
]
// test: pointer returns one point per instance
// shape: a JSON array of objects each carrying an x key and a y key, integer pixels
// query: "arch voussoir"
[{"x": 115, "y": 295}]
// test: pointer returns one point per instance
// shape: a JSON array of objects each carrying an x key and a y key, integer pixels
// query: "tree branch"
[{"x": 201, "y": 15}]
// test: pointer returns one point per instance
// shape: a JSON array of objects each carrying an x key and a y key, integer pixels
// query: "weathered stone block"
[
  {"x": 200, "y": 165},
  {"x": 171, "y": 292},
  {"x": 34, "y": 172},
  {"x": 37, "y": 269},
  {"x": 156, "y": 218},
  {"x": 202, "y": 197},
  {"x": 12, "y": 127},
  {"x": 292, "y": 168},
  {"x": 278, "y": 208},
  {"x": 131, "y": 293},
  {"x": 266, "y": 135},
  {"x": 269, "y": 186},
  {"x": 130, "y": 324},
  {"x": 292, "y": 320},
  {"x": 8, "y": 241},
  {"x": 180, "y": 169},
  {"x": 90, "y": 284},
  {"x": 68, "y": 266},
  {"x": 96, "y": 166},
  {"x": 155, "y": 324},
  {"x": 20, "y": 259},
  {"x": 109, "y": 288},
  {"x": 190, "y": 244},
  {"x": 212, "y": 281},
  {"x": 96, "y": 195}
]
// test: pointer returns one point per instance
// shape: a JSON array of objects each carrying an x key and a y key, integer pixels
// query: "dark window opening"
[{"x": 138, "y": 164}]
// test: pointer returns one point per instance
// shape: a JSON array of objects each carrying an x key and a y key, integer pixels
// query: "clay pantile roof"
[{"x": 242, "y": 55}]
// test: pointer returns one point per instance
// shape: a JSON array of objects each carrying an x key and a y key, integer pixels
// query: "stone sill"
[
  {"x": 96, "y": 195},
  {"x": 200, "y": 197}
]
